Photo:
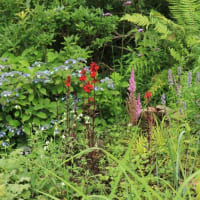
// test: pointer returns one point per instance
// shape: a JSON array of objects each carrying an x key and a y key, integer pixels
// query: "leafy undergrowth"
[{"x": 126, "y": 167}]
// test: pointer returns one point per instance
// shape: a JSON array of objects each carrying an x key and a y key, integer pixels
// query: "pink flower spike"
[
  {"x": 138, "y": 106},
  {"x": 127, "y": 3},
  {"x": 132, "y": 85},
  {"x": 107, "y": 14}
]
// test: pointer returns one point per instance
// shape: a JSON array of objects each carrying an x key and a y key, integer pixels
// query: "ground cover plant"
[{"x": 99, "y": 100}]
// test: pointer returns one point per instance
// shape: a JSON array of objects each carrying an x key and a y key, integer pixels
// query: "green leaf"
[
  {"x": 31, "y": 97},
  {"x": 43, "y": 91},
  {"x": 30, "y": 91},
  {"x": 27, "y": 129},
  {"x": 14, "y": 123},
  {"x": 42, "y": 115},
  {"x": 36, "y": 121},
  {"x": 17, "y": 113},
  {"x": 25, "y": 117}
]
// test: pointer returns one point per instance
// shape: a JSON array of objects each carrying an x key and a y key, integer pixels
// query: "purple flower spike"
[
  {"x": 197, "y": 77},
  {"x": 179, "y": 71},
  {"x": 189, "y": 79},
  {"x": 132, "y": 86},
  {"x": 184, "y": 105},
  {"x": 107, "y": 14},
  {"x": 127, "y": 3},
  {"x": 163, "y": 101},
  {"x": 170, "y": 80},
  {"x": 140, "y": 30},
  {"x": 139, "y": 55}
]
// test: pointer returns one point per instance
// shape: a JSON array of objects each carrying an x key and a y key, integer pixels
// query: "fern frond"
[
  {"x": 185, "y": 12},
  {"x": 175, "y": 54},
  {"x": 136, "y": 18},
  {"x": 159, "y": 82}
]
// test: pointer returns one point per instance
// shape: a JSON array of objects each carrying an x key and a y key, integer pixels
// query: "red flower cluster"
[
  {"x": 87, "y": 87},
  {"x": 93, "y": 70},
  {"x": 90, "y": 99},
  {"x": 148, "y": 95},
  {"x": 68, "y": 81},
  {"x": 83, "y": 75}
]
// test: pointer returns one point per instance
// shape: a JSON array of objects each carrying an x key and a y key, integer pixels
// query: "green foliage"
[
  {"x": 59, "y": 28},
  {"x": 15, "y": 182}
]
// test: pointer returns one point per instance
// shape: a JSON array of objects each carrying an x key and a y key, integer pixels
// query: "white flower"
[
  {"x": 129, "y": 125},
  {"x": 17, "y": 107},
  {"x": 47, "y": 142},
  {"x": 45, "y": 148},
  {"x": 63, "y": 136},
  {"x": 63, "y": 184}
]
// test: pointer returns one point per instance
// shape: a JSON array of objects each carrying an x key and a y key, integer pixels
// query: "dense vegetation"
[{"x": 99, "y": 99}]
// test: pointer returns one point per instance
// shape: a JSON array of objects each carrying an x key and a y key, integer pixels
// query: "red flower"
[
  {"x": 82, "y": 78},
  {"x": 94, "y": 67},
  {"x": 93, "y": 74},
  {"x": 148, "y": 95},
  {"x": 90, "y": 99},
  {"x": 95, "y": 81},
  {"x": 83, "y": 71},
  {"x": 68, "y": 81},
  {"x": 88, "y": 87}
]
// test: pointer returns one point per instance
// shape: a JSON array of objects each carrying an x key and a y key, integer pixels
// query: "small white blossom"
[{"x": 63, "y": 184}]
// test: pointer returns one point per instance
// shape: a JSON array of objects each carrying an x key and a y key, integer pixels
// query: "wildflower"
[
  {"x": 45, "y": 148},
  {"x": 179, "y": 71},
  {"x": 68, "y": 81},
  {"x": 73, "y": 61},
  {"x": 139, "y": 55},
  {"x": 148, "y": 96},
  {"x": 129, "y": 124},
  {"x": 83, "y": 72},
  {"x": 156, "y": 49},
  {"x": 170, "y": 77},
  {"x": 132, "y": 85},
  {"x": 107, "y": 14},
  {"x": 17, "y": 107},
  {"x": 93, "y": 74},
  {"x": 189, "y": 79},
  {"x": 197, "y": 77},
  {"x": 184, "y": 105},
  {"x": 127, "y": 3},
  {"x": 90, "y": 99},
  {"x": 163, "y": 101},
  {"x": 82, "y": 78},
  {"x": 140, "y": 30},
  {"x": 83, "y": 75},
  {"x": 63, "y": 184},
  {"x": 95, "y": 81},
  {"x": 2, "y": 134},
  {"x": 94, "y": 67},
  {"x": 87, "y": 87},
  {"x": 138, "y": 106},
  {"x": 4, "y": 144}
]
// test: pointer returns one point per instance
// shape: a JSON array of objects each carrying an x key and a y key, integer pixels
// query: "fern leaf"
[
  {"x": 175, "y": 54},
  {"x": 136, "y": 18}
]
